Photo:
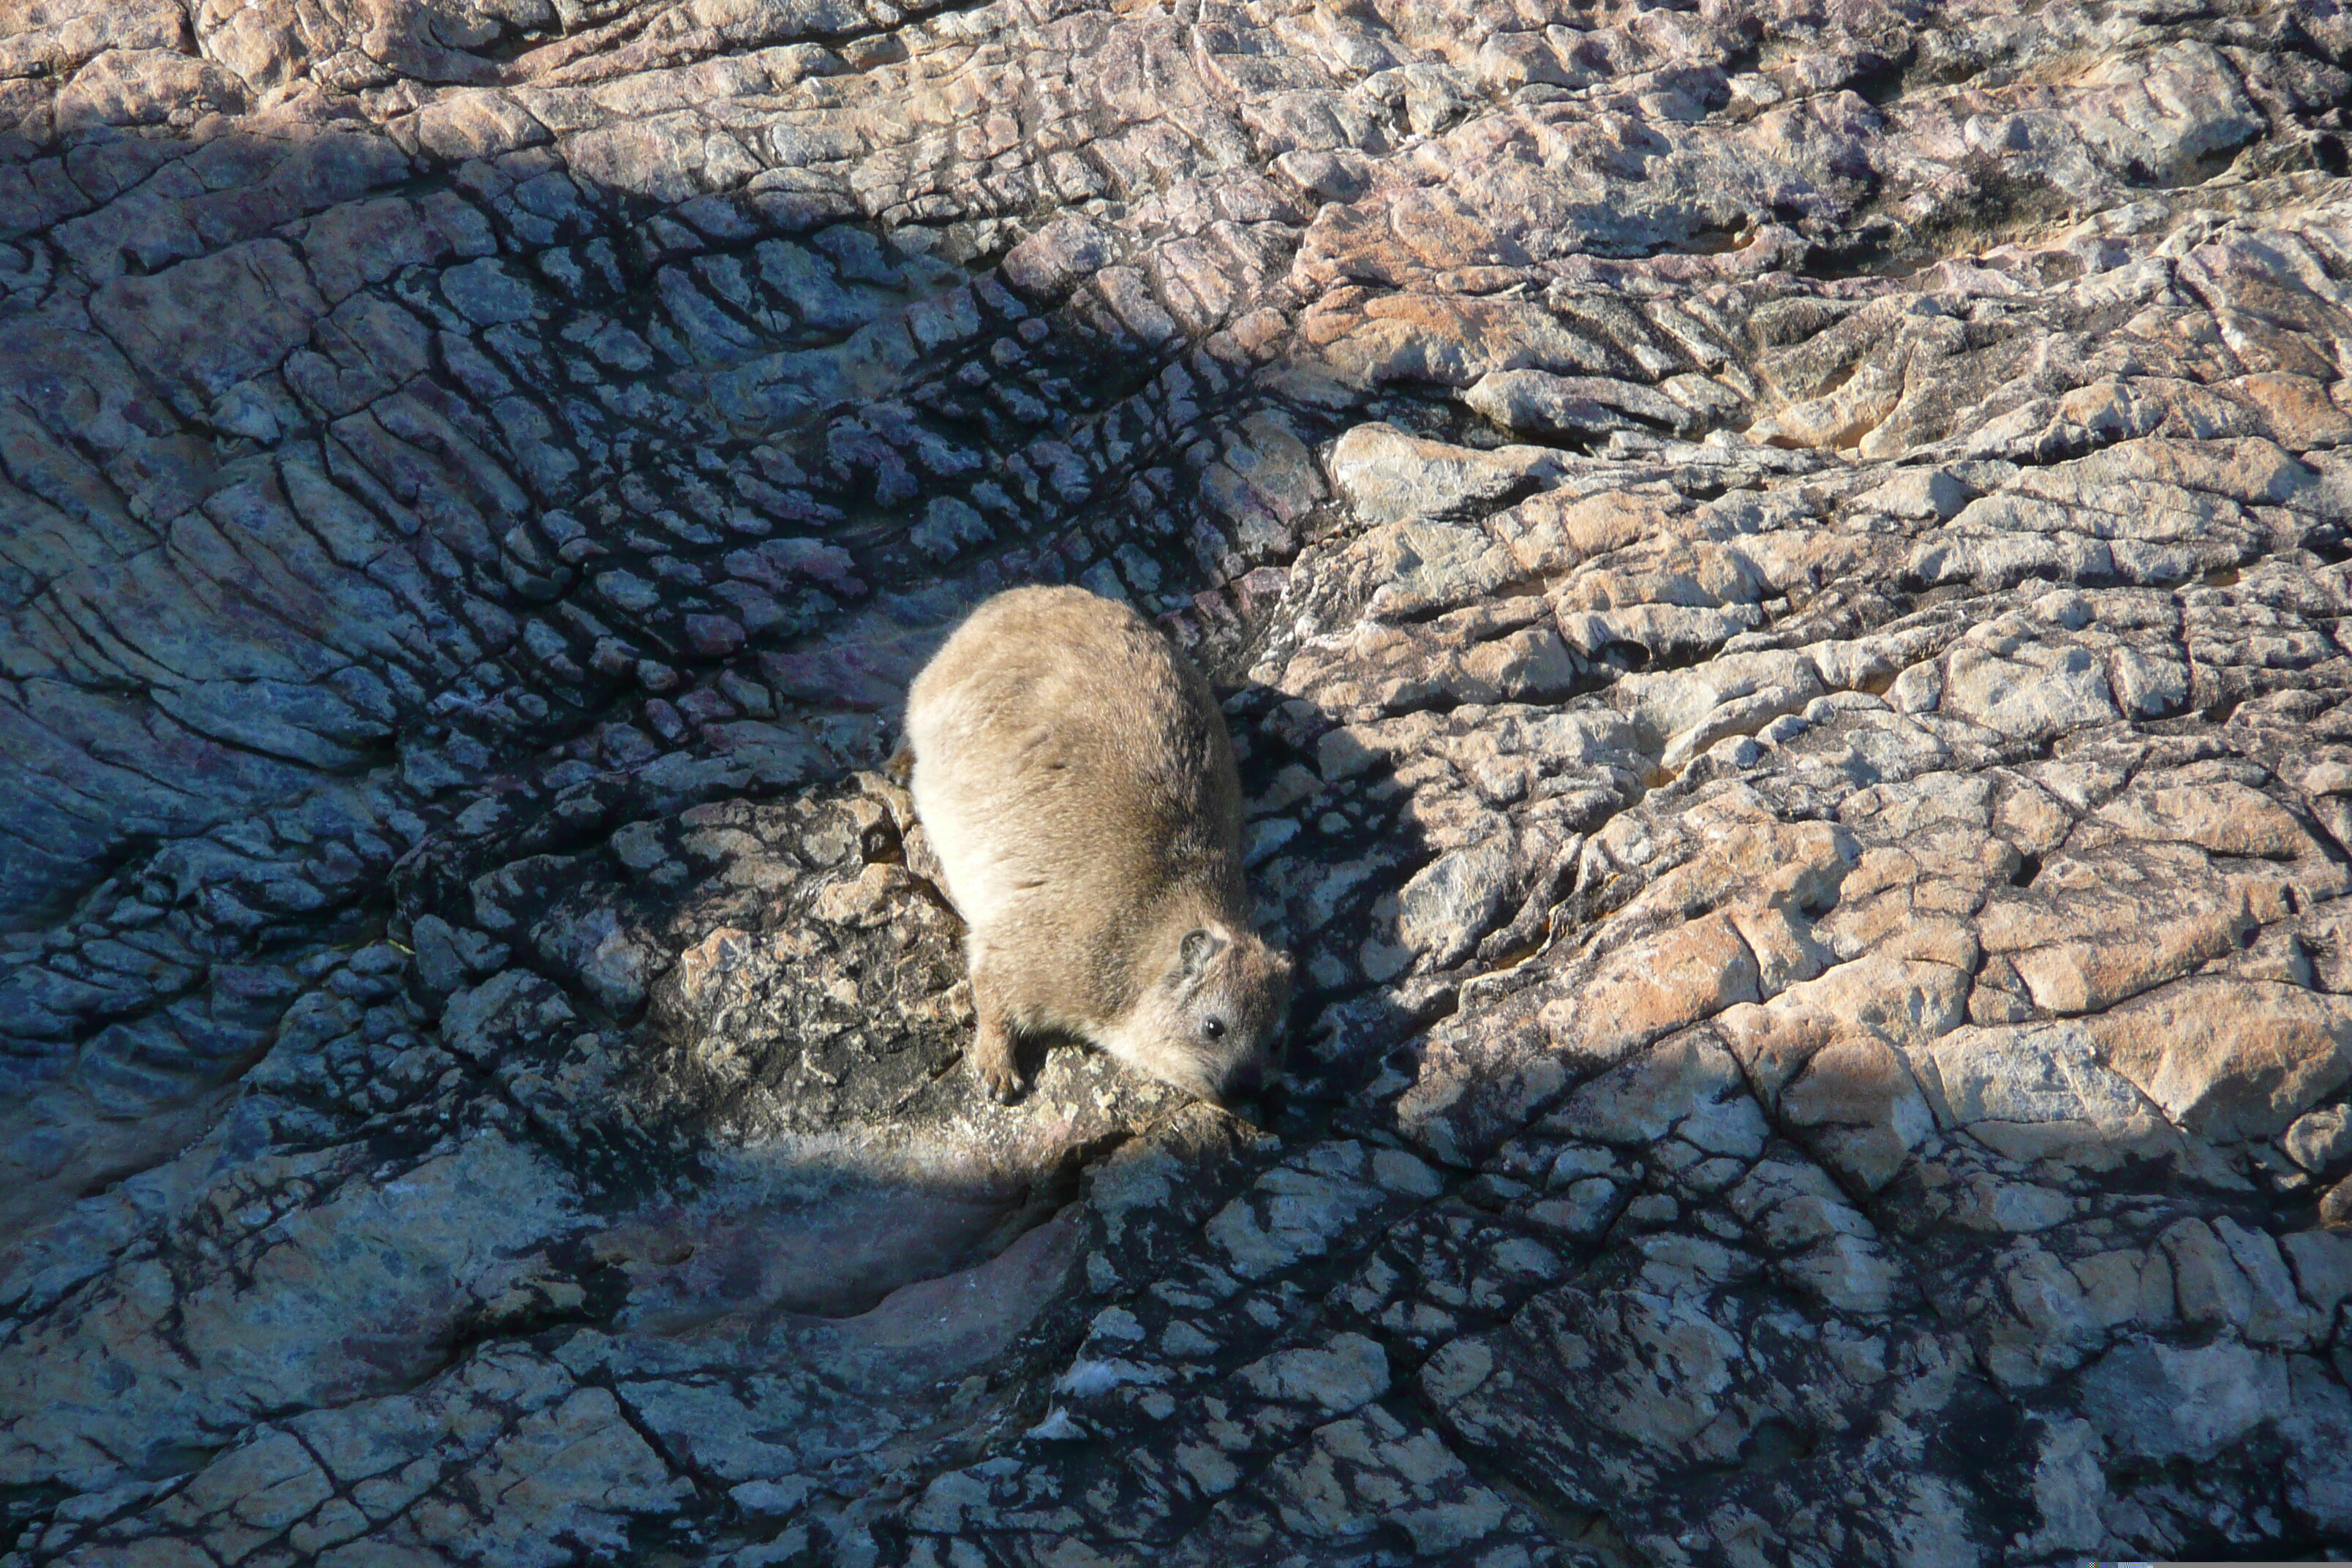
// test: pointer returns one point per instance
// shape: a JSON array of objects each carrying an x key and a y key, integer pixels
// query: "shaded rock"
[{"x": 2159, "y": 1402}]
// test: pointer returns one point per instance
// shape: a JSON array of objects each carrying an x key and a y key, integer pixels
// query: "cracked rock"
[{"x": 1778, "y": 579}]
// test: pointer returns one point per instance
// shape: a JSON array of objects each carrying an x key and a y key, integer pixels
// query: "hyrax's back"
[{"x": 1071, "y": 768}]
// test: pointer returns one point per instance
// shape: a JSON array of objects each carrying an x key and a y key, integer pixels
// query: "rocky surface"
[{"x": 1780, "y": 572}]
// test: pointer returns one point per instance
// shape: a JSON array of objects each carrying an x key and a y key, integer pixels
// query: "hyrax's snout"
[
  {"x": 1221, "y": 1079},
  {"x": 1248, "y": 1079}
]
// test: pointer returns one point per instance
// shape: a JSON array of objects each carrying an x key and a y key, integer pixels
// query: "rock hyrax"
[{"x": 1079, "y": 788}]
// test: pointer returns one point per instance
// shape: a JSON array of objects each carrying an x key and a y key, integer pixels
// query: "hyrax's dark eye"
[{"x": 1214, "y": 1029}]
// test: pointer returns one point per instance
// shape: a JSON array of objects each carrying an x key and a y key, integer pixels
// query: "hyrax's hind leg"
[{"x": 993, "y": 1047}]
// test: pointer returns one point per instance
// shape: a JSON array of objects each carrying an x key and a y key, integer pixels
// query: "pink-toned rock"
[
  {"x": 147, "y": 87},
  {"x": 2110, "y": 925},
  {"x": 472, "y": 122},
  {"x": 2225, "y": 818},
  {"x": 1859, "y": 1107},
  {"x": 1391, "y": 476},
  {"x": 2295, "y": 410},
  {"x": 1552, "y": 532},
  {"x": 1058, "y": 257},
  {"x": 59, "y": 36},
  {"x": 2229, "y": 1059},
  {"x": 1452, "y": 342},
  {"x": 713, "y": 636},
  {"x": 660, "y": 158},
  {"x": 218, "y": 320},
  {"x": 1652, "y": 988}
]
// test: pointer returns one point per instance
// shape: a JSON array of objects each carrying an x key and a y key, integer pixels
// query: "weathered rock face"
[{"x": 1781, "y": 574}]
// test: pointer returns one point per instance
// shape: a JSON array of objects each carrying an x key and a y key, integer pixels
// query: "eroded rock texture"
[{"x": 1781, "y": 574}]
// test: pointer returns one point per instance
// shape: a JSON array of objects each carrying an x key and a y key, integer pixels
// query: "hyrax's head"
[{"x": 1212, "y": 1013}]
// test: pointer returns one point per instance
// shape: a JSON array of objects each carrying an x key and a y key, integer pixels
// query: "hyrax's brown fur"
[{"x": 1077, "y": 784}]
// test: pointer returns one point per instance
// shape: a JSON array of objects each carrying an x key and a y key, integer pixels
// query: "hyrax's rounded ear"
[{"x": 1201, "y": 944}]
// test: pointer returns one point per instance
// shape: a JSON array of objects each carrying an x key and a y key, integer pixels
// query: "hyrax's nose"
[{"x": 1243, "y": 1081}]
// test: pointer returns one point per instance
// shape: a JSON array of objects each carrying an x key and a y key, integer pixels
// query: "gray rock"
[
  {"x": 1348, "y": 1372},
  {"x": 2161, "y": 1401},
  {"x": 2319, "y": 1137},
  {"x": 1389, "y": 476},
  {"x": 1448, "y": 906}
]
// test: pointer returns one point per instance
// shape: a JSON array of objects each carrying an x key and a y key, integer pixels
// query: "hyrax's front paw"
[
  {"x": 993, "y": 1064},
  {"x": 1004, "y": 1084}
]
